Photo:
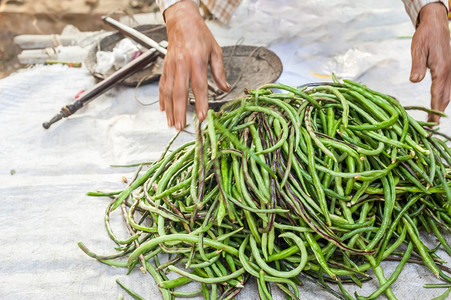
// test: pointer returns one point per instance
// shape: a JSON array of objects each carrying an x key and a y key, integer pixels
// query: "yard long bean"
[{"x": 322, "y": 181}]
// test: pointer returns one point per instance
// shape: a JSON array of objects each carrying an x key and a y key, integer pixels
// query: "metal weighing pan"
[
  {"x": 149, "y": 74},
  {"x": 246, "y": 66}
]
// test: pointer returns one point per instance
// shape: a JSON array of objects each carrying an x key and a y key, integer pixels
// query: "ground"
[{"x": 8, "y": 54}]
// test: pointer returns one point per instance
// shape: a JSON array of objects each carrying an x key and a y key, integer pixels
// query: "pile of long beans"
[{"x": 320, "y": 182}]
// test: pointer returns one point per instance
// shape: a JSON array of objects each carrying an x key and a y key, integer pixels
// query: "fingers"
[
  {"x": 180, "y": 94},
  {"x": 444, "y": 103},
  {"x": 217, "y": 69},
  {"x": 174, "y": 85},
  {"x": 419, "y": 60},
  {"x": 173, "y": 90},
  {"x": 200, "y": 87},
  {"x": 440, "y": 93},
  {"x": 165, "y": 91},
  {"x": 439, "y": 63},
  {"x": 161, "y": 85},
  {"x": 435, "y": 100}
]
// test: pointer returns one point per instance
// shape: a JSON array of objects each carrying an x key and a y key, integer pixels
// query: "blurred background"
[{"x": 18, "y": 17}]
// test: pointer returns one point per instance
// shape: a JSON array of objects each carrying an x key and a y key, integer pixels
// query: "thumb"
[{"x": 419, "y": 61}]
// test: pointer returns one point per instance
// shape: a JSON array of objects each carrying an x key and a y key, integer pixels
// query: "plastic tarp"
[{"x": 45, "y": 174}]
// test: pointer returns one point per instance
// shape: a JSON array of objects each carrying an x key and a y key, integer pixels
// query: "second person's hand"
[
  {"x": 431, "y": 49},
  {"x": 191, "y": 48}
]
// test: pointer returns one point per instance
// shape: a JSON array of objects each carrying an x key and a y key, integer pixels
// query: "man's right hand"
[{"x": 191, "y": 48}]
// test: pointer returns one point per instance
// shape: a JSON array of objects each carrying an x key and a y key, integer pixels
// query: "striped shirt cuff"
[
  {"x": 413, "y": 8},
  {"x": 165, "y": 4},
  {"x": 220, "y": 9}
]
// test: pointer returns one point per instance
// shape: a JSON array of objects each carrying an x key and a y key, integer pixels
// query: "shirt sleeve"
[
  {"x": 220, "y": 9},
  {"x": 164, "y": 4},
  {"x": 413, "y": 8}
]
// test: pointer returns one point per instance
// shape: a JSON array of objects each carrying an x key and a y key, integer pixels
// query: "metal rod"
[
  {"x": 146, "y": 41},
  {"x": 104, "y": 85},
  {"x": 134, "y": 34}
]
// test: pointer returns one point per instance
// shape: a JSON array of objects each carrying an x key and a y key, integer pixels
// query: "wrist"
[
  {"x": 433, "y": 11},
  {"x": 180, "y": 9}
]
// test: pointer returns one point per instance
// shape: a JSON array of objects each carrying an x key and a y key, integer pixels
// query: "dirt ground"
[
  {"x": 8, "y": 54},
  {"x": 51, "y": 16}
]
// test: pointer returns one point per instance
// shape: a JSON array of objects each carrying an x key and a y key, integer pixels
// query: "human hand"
[
  {"x": 191, "y": 48},
  {"x": 431, "y": 49}
]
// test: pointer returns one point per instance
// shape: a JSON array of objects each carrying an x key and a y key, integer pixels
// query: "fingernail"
[
  {"x": 170, "y": 124},
  {"x": 434, "y": 118},
  {"x": 201, "y": 116},
  {"x": 179, "y": 126},
  {"x": 228, "y": 86},
  {"x": 414, "y": 77}
]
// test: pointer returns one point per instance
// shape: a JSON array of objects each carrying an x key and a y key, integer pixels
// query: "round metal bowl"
[
  {"x": 246, "y": 66},
  {"x": 148, "y": 74}
]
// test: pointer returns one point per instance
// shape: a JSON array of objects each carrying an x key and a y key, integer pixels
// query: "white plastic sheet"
[{"x": 45, "y": 174}]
